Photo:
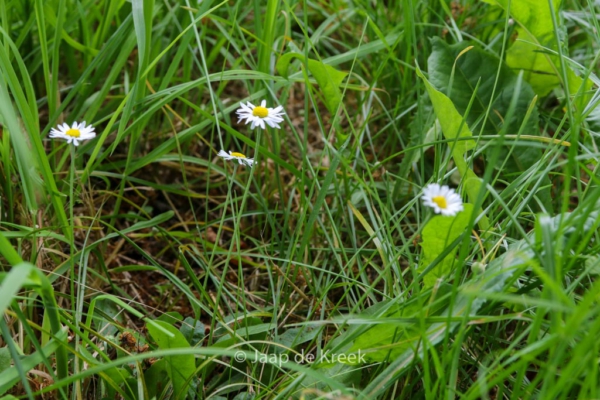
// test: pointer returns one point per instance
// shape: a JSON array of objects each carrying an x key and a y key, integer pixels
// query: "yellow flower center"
[
  {"x": 261, "y": 112},
  {"x": 440, "y": 201},
  {"x": 239, "y": 155},
  {"x": 73, "y": 132}
]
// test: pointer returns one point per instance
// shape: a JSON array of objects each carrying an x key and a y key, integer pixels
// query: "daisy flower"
[
  {"x": 74, "y": 133},
  {"x": 442, "y": 199},
  {"x": 242, "y": 159},
  {"x": 258, "y": 115}
]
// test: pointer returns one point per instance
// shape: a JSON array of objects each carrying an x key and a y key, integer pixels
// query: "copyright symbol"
[{"x": 240, "y": 356}]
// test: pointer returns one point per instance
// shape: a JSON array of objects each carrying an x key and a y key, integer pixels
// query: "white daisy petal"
[
  {"x": 73, "y": 134},
  {"x": 442, "y": 199},
  {"x": 244, "y": 108},
  {"x": 224, "y": 154},
  {"x": 259, "y": 115},
  {"x": 241, "y": 159}
]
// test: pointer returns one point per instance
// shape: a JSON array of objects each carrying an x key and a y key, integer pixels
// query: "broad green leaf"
[
  {"x": 384, "y": 340},
  {"x": 535, "y": 31},
  {"x": 592, "y": 264},
  {"x": 454, "y": 127},
  {"x": 106, "y": 316},
  {"x": 539, "y": 71},
  {"x": 115, "y": 378},
  {"x": 437, "y": 235},
  {"x": 533, "y": 15},
  {"x": 534, "y": 26},
  {"x": 328, "y": 78},
  {"x": 452, "y": 123},
  {"x": 470, "y": 297},
  {"x": 580, "y": 90},
  {"x": 194, "y": 331},
  {"x": 171, "y": 317},
  {"x": 459, "y": 76},
  {"x": 295, "y": 336},
  {"x": 397, "y": 334},
  {"x": 180, "y": 368},
  {"x": 156, "y": 378},
  {"x": 348, "y": 375},
  {"x": 247, "y": 329}
]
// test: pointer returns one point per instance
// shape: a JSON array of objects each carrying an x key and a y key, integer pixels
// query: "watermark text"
[{"x": 300, "y": 358}]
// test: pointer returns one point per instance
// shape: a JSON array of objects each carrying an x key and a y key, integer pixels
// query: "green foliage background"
[{"x": 141, "y": 265}]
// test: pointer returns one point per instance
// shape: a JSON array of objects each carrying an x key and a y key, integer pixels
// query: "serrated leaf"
[
  {"x": 440, "y": 232},
  {"x": 328, "y": 78},
  {"x": 180, "y": 367}
]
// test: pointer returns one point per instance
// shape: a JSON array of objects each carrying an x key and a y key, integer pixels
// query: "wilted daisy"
[
  {"x": 74, "y": 133},
  {"x": 258, "y": 115},
  {"x": 242, "y": 159},
  {"x": 442, "y": 199}
]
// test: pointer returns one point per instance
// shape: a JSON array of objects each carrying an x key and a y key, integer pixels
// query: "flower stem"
[
  {"x": 72, "y": 226},
  {"x": 73, "y": 250}
]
